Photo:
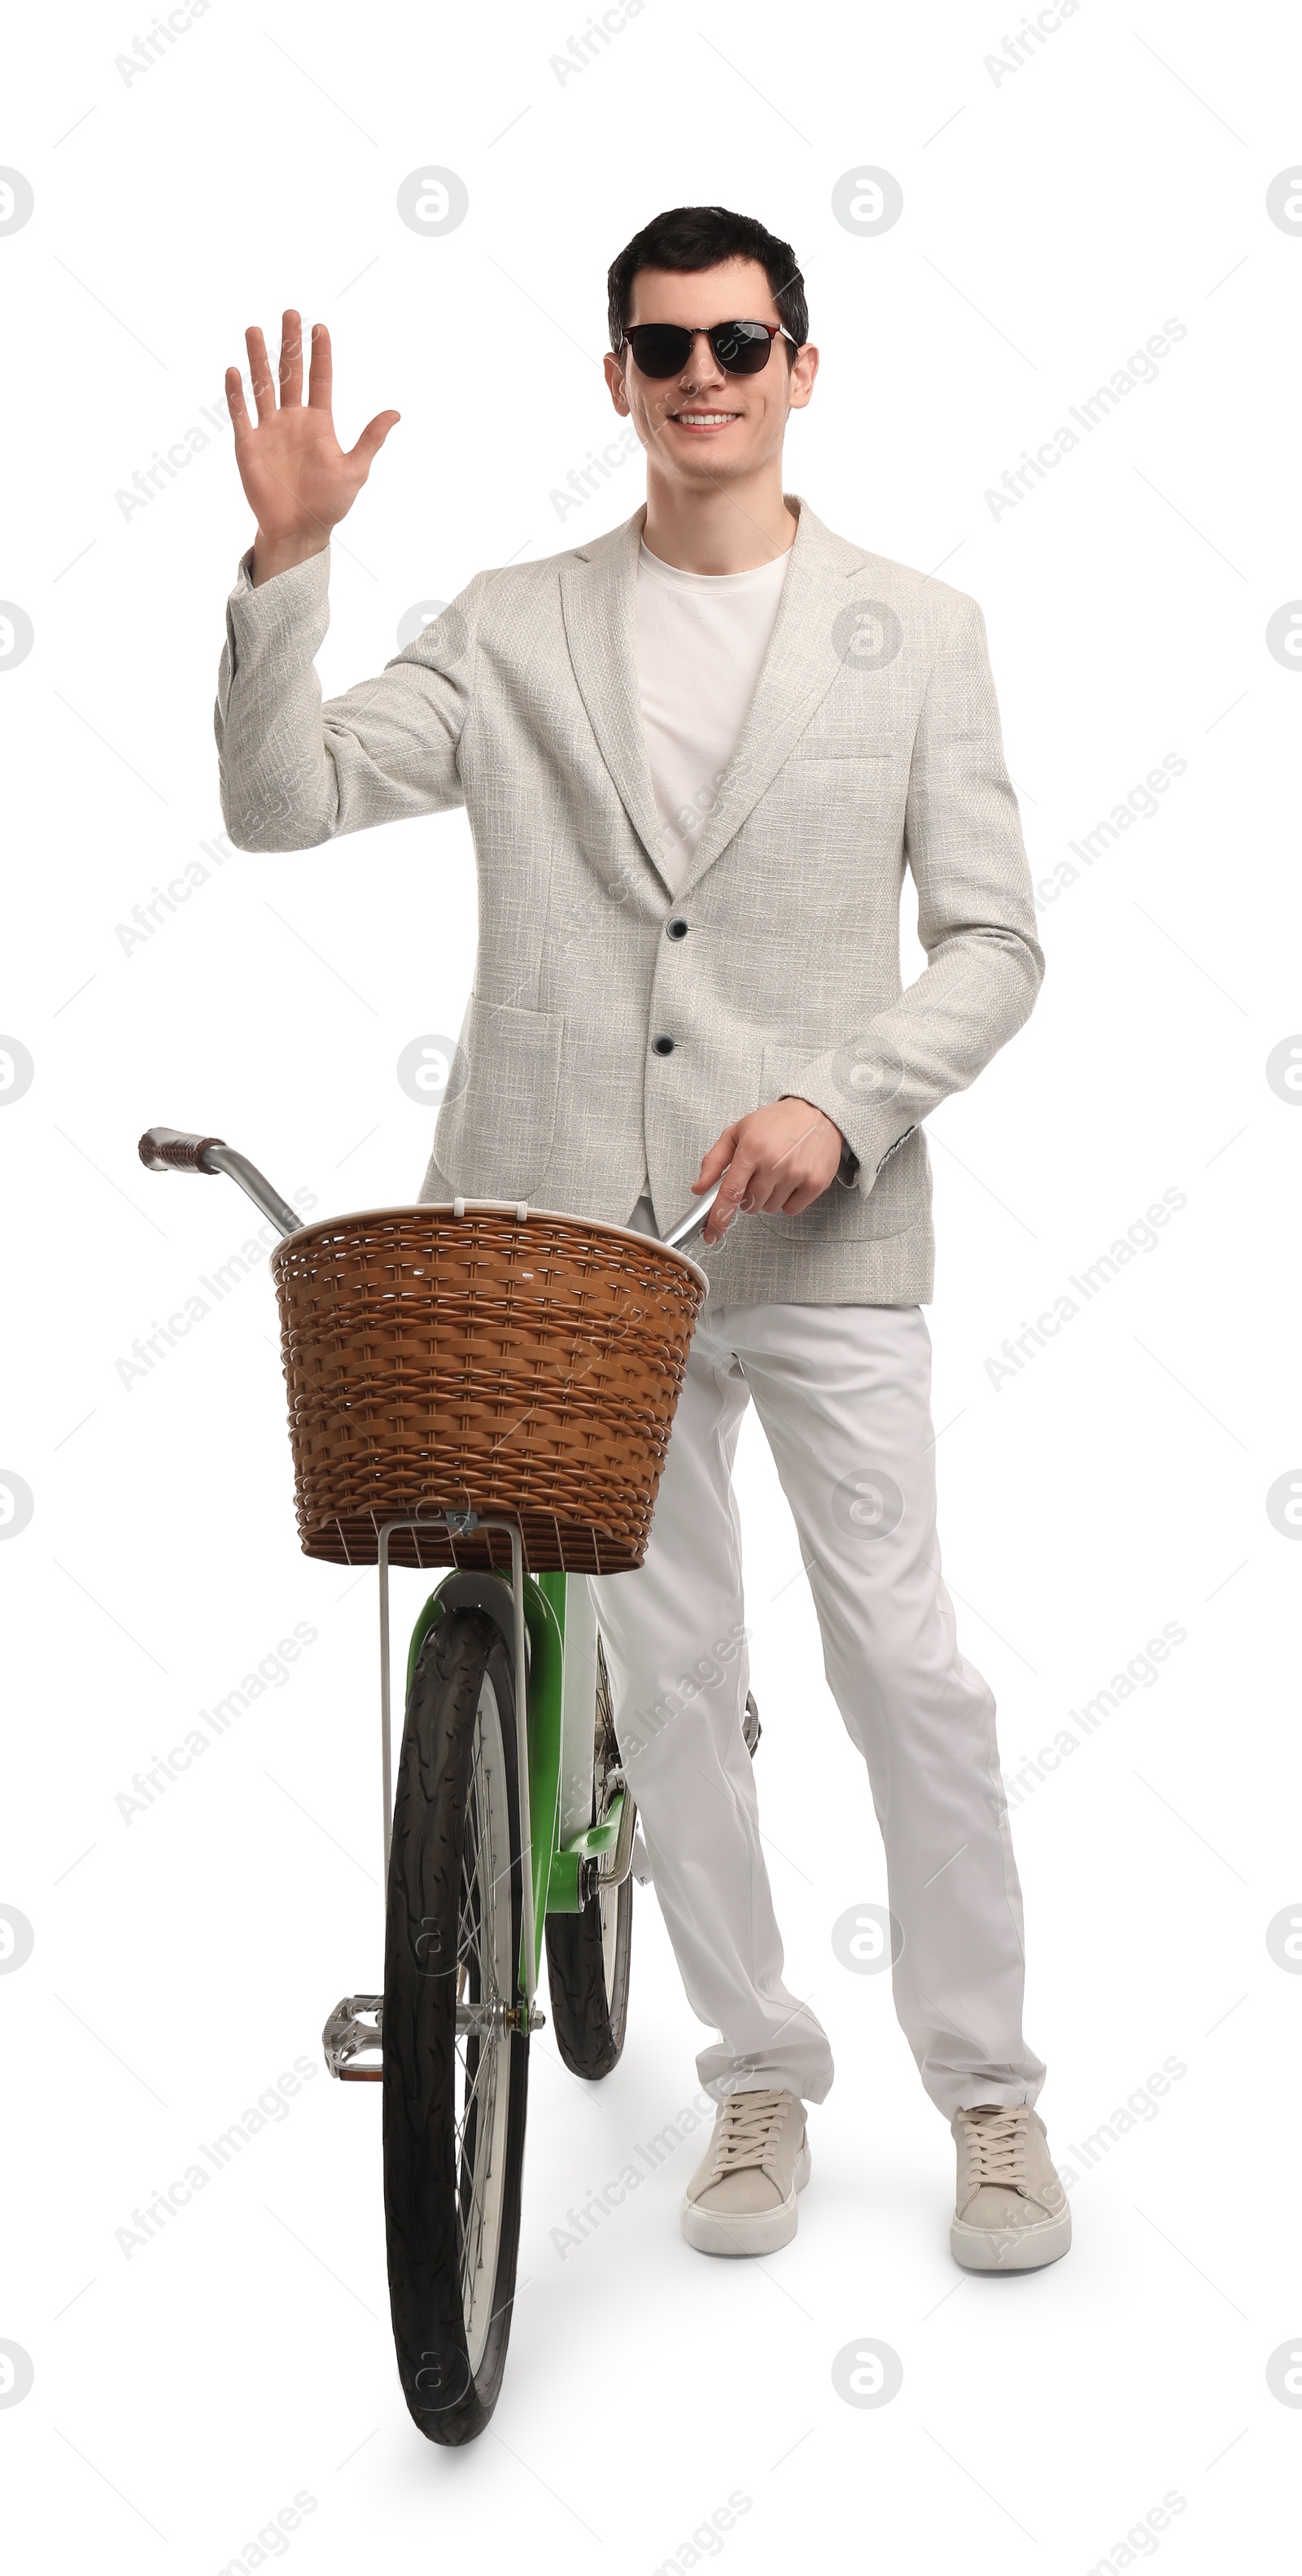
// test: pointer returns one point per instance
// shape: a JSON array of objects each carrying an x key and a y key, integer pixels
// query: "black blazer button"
[
  {"x": 677, "y": 930},
  {"x": 662, "y": 1046}
]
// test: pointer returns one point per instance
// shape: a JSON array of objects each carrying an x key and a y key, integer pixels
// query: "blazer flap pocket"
[
  {"x": 781, "y": 1066},
  {"x": 900, "y": 1192},
  {"x": 499, "y": 1111}
]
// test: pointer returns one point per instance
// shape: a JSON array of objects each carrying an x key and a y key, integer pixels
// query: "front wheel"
[{"x": 456, "y": 2056}]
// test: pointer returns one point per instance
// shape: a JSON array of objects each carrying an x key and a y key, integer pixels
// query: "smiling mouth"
[{"x": 704, "y": 424}]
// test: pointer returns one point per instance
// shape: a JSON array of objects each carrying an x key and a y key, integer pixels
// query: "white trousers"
[{"x": 844, "y": 1397}]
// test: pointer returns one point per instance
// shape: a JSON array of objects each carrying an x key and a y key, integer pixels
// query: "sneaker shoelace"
[
  {"x": 746, "y": 2125},
  {"x": 996, "y": 2145}
]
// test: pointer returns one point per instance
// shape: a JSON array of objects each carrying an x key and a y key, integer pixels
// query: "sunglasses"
[{"x": 740, "y": 348}]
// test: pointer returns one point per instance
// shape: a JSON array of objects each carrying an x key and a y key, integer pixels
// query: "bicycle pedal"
[
  {"x": 354, "y": 2046},
  {"x": 354, "y": 2049}
]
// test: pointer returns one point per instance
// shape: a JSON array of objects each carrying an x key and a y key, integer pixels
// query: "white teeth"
[{"x": 704, "y": 419}]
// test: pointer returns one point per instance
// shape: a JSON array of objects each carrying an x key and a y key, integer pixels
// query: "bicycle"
[{"x": 511, "y": 1826}]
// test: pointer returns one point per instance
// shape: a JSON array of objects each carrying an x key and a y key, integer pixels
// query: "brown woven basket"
[{"x": 481, "y": 1357}]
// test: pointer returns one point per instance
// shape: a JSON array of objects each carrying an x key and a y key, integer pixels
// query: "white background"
[{"x": 1053, "y": 219}]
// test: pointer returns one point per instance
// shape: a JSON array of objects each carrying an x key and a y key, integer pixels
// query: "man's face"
[{"x": 706, "y": 427}]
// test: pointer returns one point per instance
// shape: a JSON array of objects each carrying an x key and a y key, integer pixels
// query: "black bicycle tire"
[
  {"x": 589, "y": 2028},
  {"x": 448, "y": 2401},
  {"x": 589, "y": 2023}
]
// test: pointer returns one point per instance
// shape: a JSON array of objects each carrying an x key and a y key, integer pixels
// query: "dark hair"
[{"x": 695, "y": 237}]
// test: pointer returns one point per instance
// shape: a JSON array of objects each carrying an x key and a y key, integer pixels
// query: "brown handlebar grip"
[{"x": 169, "y": 1149}]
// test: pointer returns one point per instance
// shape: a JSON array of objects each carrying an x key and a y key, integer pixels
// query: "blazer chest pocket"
[
  {"x": 841, "y": 739},
  {"x": 498, "y": 1117}
]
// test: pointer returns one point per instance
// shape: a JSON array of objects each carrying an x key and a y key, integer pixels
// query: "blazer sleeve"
[
  {"x": 295, "y": 772},
  {"x": 976, "y": 920}
]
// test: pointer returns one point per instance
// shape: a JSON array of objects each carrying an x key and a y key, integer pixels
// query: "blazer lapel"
[
  {"x": 597, "y": 590},
  {"x": 798, "y": 669},
  {"x": 597, "y": 587}
]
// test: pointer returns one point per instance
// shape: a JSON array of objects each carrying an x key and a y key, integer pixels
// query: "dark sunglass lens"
[
  {"x": 741, "y": 348},
  {"x": 660, "y": 348}
]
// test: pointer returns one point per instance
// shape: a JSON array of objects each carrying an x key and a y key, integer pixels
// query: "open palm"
[{"x": 298, "y": 480}]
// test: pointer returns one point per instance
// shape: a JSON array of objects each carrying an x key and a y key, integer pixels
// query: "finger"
[
  {"x": 735, "y": 1190},
  {"x": 784, "y": 1197},
  {"x": 235, "y": 404},
  {"x": 260, "y": 375},
  {"x": 321, "y": 374},
  {"x": 798, "y": 1140},
  {"x": 372, "y": 440},
  {"x": 291, "y": 357},
  {"x": 716, "y": 1160},
  {"x": 721, "y": 1220},
  {"x": 748, "y": 1182}
]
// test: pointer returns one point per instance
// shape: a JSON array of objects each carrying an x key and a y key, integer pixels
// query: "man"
[{"x": 697, "y": 754}]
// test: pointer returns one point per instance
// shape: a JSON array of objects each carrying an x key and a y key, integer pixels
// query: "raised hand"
[{"x": 298, "y": 481}]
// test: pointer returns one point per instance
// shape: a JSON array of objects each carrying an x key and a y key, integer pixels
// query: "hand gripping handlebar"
[{"x": 169, "y": 1149}]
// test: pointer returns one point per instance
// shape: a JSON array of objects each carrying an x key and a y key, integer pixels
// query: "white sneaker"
[
  {"x": 742, "y": 2197},
  {"x": 1011, "y": 2213}
]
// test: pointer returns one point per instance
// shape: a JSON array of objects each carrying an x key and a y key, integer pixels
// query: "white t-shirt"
[{"x": 699, "y": 641}]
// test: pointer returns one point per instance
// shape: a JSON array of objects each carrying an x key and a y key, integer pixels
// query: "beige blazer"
[{"x": 872, "y": 745}]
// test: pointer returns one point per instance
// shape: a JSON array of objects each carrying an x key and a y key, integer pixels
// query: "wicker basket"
[{"x": 481, "y": 1357}]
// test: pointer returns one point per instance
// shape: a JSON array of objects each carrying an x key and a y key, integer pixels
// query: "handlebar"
[
  {"x": 170, "y": 1149},
  {"x": 691, "y": 1227}
]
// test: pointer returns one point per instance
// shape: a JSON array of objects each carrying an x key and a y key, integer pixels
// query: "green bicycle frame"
[{"x": 561, "y": 1687}]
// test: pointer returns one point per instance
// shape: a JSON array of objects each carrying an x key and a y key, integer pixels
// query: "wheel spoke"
[
  {"x": 487, "y": 2052},
  {"x": 474, "y": 2171},
  {"x": 480, "y": 1970},
  {"x": 478, "y": 2178},
  {"x": 471, "y": 1867}
]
